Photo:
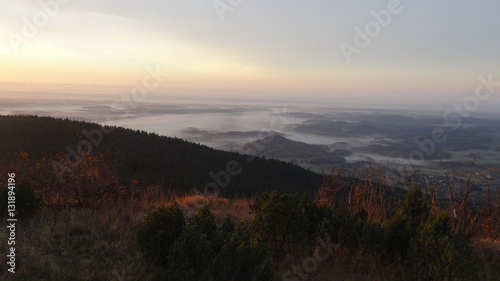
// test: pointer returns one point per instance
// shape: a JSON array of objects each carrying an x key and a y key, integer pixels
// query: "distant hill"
[
  {"x": 152, "y": 159},
  {"x": 279, "y": 147},
  {"x": 203, "y": 134}
]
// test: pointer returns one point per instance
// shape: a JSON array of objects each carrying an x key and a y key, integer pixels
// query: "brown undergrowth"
[{"x": 97, "y": 242}]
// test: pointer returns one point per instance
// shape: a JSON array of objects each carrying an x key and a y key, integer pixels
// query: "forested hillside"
[{"x": 122, "y": 157}]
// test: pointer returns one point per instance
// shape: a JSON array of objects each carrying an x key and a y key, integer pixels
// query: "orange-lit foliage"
[{"x": 94, "y": 180}]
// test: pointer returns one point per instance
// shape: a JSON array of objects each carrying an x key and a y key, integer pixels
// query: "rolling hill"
[{"x": 279, "y": 147}]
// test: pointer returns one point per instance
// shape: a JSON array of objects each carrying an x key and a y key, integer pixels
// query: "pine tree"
[{"x": 160, "y": 229}]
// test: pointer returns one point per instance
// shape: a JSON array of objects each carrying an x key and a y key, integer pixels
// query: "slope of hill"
[
  {"x": 147, "y": 157},
  {"x": 279, "y": 147}
]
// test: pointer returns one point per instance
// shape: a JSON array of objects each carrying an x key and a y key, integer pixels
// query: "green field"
[{"x": 486, "y": 157}]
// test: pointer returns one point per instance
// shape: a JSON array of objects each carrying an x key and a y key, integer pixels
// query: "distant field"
[{"x": 487, "y": 157}]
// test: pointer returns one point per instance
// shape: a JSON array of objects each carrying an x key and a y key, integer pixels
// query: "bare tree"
[
  {"x": 366, "y": 191},
  {"x": 462, "y": 216}
]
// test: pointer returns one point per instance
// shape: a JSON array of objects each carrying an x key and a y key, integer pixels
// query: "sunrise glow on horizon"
[{"x": 275, "y": 48}]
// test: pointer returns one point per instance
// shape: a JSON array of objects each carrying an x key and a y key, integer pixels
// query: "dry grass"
[
  {"x": 79, "y": 244},
  {"x": 238, "y": 209},
  {"x": 487, "y": 255},
  {"x": 97, "y": 243}
]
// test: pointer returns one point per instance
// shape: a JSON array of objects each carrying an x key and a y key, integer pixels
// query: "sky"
[{"x": 405, "y": 50}]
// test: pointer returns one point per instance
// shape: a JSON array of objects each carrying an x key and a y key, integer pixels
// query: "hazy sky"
[{"x": 428, "y": 49}]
